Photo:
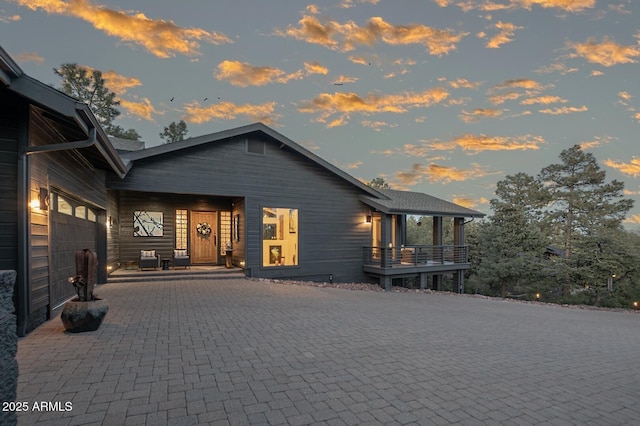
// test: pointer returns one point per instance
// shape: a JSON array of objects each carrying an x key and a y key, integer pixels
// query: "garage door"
[{"x": 73, "y": 227}]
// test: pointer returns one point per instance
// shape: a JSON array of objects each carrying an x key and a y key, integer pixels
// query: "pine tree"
[{"x": 91, "y": 88}]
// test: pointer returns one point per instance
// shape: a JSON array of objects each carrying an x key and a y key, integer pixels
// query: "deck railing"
[{"x": 387, "y": 257}]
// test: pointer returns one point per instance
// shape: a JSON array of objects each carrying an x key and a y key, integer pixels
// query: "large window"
[
  {"x": 181, "y": 229},
  {"x": 279, "y": 236},
  {"x": 225, "y": 232}
]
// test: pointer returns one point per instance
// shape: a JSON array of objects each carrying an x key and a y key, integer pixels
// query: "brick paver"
[{"x": 243, "y": 352}]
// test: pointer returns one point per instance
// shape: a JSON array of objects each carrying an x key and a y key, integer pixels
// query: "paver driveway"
[{"x": 250, "y": 352}]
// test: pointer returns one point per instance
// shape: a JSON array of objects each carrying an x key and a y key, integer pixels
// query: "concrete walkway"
[{"x": 248, "y": 352}]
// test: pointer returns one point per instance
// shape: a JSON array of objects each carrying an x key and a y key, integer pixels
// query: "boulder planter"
[
  {"x": 85, "y": 312},
  {"x": 79, "y": 316}
]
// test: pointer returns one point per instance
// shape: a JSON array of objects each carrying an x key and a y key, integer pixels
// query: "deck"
[{"x": 397, "y": 262}]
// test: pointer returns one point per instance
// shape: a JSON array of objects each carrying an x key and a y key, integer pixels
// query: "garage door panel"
[{"x": 68, "y": 234}]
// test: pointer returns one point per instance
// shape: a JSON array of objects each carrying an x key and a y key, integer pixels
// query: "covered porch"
[{"x": 392, "y": 256}]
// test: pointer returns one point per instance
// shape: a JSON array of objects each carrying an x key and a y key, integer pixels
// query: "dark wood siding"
[
  {"x": 8, "y": 181},
  {"x": 331, "y": 228},
  {"x": 65, "y": 172},
  {"x": 129, "y": 202},
  {"x": 113, "y": 232}
]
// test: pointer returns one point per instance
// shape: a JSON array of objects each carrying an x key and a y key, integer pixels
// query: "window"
[
  {"x": 182, "y": 229},
  {"x": 91, "y": 215},
  {"x": 81, "y": 212},
  {"x": 64, "y": 206},
  {"x": 279, "y": 237},
  {"x": 225, "y": 231}
]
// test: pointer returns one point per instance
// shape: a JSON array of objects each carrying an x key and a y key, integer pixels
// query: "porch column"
[
  {"x": 385, "y": 238},
  {"x": 458, "y": 282},
  {"x": 438, "y": 255},
  {"x": 437, "y": 230}
]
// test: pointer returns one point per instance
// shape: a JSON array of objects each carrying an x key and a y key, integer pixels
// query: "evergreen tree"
[
  {"x": 588, "y": 212},
  {"x": 581, "y": 200},
  {"x": 91, "y": 89},
  {"x": 174, "y": 132},
  {"x": 509, "y": 246},
  {"x": 378, "y": 183}
]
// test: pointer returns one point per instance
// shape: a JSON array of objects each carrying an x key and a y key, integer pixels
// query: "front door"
[{"x": 204, "y": 237}]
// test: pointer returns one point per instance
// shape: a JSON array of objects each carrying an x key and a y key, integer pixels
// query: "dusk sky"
[{"x": 445, "y": 97}]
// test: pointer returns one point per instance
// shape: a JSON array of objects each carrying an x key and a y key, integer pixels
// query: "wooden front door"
[{"x": 204, "y": 248}]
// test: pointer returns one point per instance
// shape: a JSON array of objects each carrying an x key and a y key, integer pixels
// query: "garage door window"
[{"x": 63, "y": 206}]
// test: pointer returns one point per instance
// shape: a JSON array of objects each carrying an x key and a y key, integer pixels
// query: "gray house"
[
  {"x": 248, "y": 196},
  {"x": 283, "y": 212}
]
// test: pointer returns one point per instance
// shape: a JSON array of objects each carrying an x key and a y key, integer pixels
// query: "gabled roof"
[
  {"x": 63, "y": 112},
  {"x": 130, "y": 157},
  {"x": 406, "y": 202}
]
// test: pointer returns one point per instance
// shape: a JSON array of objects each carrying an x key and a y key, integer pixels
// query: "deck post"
[
  {"x": 385, "y": 282},
  {"x": 423, "y": 280},
  {"x": 458, "y": 281},
  {"x": 437, "y": 282}
]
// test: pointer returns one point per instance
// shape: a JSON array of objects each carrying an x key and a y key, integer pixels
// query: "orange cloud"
[
  {"x": 491, "y": 6},
  {"x": 119, "y": 83},
  {"x": 315, "y": 68},
  {"x": 632, "y": 168},
  {"x": 346, "y": 4},
  {"x": 344, "y": 79},
  {"x": 242, "y": 74},
  {"x": 463, "y": 83},
  {"x": 557, "y": 67},
  {"x": 476, "y": 114},
  {"x": 12, "y": 18},
  {"x": 465, "y": 201},
  {"x": 437, "y": 173},
  {"x": 505, "y": 35},
  {"x": 377, "y": 125},
  {"x": 159, "y": 37},
  {"x": 337, "y": 36},
  {"x": 543, "y": 100},
  {"x": 632, "y": 219},
  {"x": 521, "y": 83},
  {"x": 142, "y": 109},
  {"x": 327, "y": 104},
  {"x": 607, "y": 53},
  {"x": 197, "y": 114},
  {"x": 564, "y": 110},
  {"x": 596, "y": 142},
  {"x": 503, "y": 97},
  {"x": 477, "y": 143},
  {"x": 30, "y": 57}
]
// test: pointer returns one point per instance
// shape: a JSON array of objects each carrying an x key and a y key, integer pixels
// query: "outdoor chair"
[
  {"x": 148, "y": 259},
  {"x": 181, "y": 258}
]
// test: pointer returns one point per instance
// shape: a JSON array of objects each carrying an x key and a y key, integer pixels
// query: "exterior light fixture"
[
  {"x": 110, "y": 222},
  {"x": 42, "y": 203},
  {"x": 367, "y": 219}
]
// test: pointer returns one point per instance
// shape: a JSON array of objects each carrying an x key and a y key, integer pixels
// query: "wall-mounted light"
[
  {"x": 367, "y": 219},
  {"x": 42, "y": 203},
  {"x": 109, "y": 222}
]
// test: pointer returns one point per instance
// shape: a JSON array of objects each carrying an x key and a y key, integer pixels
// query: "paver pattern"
[{"x": 246, "y": 352}]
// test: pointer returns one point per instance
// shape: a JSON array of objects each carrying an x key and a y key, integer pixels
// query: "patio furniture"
[
  {"x": 148, "y": 259},
  {"x": 181, "y": 258}
]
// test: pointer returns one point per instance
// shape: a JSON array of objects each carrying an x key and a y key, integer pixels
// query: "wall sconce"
[
  {"x": 42, "y": 203},
  {"x": 109, "y": 222},
  {"x": 367, "y": 219}
]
